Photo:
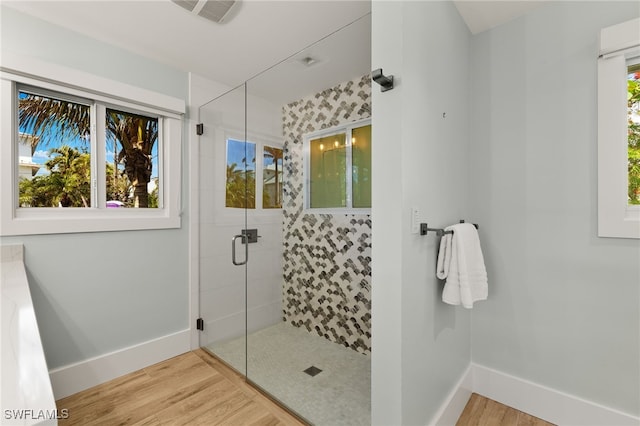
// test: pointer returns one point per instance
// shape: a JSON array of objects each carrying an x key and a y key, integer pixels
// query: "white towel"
[{"x": 461, "y": 263}]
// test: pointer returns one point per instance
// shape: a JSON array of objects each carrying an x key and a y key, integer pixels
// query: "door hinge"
[
  {"x": 199, "y": 129},
  {"x": 200, "y": 324}
]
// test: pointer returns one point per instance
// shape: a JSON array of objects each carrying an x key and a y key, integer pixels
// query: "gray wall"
[
  {"x": 421, "y": 347},
  {"x": 516, "y": 154},
  {"x": 563, "y": 307},
  {"x": 96, "y": 293},
  {"x": 24, "y": 34}
]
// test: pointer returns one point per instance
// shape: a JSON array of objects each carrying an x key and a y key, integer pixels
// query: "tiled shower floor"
[{"x": 278, "y": 356}]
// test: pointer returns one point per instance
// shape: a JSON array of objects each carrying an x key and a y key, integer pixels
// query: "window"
[
  {"x": 81, "y": 161},
  {"x": 132, "y": 141},
  {"x": 272, "y": 177},
  {"x": 633, "y": 117},
  {"x": 618, "y": 160},
  {"x": 245, "y": 168},
  {"x": 57, "y": 129},
  {"x": 338, "y": 168},
  {"x": 241, "y": 174},
  {"x": 55, "y": 138}
]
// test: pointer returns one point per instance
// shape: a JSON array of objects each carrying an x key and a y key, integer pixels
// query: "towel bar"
[{"x": 424, "y": 229}]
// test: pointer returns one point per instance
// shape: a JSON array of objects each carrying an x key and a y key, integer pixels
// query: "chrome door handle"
[{"x": 233, "y": 249}]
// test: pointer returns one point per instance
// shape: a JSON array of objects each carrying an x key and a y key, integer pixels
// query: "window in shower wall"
[
  {"x": 241, "y": 174},
  {"x": 361, "y": 166},
  {"x": 338, "y": 168},
  {"x": 271, "y": 177},
  {"x": 248, "y": 164}
]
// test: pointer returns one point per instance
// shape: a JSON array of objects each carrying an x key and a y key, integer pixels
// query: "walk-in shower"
[{"x": 284, "y": 289}]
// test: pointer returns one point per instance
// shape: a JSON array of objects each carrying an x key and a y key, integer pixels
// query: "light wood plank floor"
[
  {"x": 197, "y": 389},
  {"x": 481, "y": 411},
  {"x": 193, "y": 388}
]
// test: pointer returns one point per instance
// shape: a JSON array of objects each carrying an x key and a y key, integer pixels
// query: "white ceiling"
[
  {"x": 480, "y": 15},
  {"x": 258, "y": 35}
]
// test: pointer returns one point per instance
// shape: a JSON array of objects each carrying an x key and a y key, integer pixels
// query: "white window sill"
[{"x": 65, "y": 220}]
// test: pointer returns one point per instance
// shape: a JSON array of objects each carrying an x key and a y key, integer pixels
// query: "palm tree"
[
  {"x": 240, "y": 187},
  {"x": 134, "y": 135},
  {"x": 137, "y": 135},
  {"x": 71, "y": 172},
  {"x": 37, "y": 192},
  {"x": 118, "y": 187},
  {"x": 66, "y": 184}
]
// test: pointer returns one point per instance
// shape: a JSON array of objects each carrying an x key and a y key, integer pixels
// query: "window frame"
[
  {"x": 19, "y": 71},
  {"x": 618, "y": 44},
  {"x": 344, "y": 128}
]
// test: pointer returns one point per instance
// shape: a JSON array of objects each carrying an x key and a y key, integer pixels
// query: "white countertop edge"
[{"x": 26, "y": 394}]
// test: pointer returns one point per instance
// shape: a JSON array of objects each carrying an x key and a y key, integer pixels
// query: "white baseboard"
[
  {"x": 76, "y": 377},
  {"x": 540, "y": 401},
  {"x": 548, "y": 404},
  {"x": 454, "y": 405}
]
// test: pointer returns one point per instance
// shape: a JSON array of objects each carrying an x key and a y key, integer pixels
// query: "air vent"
[
  {"x": 217, "y": 11},
  {"x": 187, "y": 4}
]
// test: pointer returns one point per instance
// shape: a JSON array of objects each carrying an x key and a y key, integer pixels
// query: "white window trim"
[
  {"x": 14, "y": 221},
  {"x": 307, "y": 166},
  {"x": 616, "y": 218}
]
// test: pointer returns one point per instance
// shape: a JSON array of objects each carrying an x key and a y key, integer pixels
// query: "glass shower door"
[
  {"x": 227, "y": 174},
  {"x": 308, "y": 290},
  {"x": 288, "y": 304}
]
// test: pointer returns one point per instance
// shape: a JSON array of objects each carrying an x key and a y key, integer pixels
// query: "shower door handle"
[{"x": 233, "y": 249}]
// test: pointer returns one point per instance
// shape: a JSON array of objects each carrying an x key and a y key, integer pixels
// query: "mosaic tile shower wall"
[{"x": 327, "y": 267}]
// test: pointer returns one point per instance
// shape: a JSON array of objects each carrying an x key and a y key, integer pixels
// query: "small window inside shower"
[
  {"x": 241, "y": 174},
  {"x": 272, "y": 177},
  {"x": 338, "y": 169},
  {"x": 253, "y": 175}
]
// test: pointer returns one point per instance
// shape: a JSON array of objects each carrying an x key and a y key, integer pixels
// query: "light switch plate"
[{"x": 415, "y": 220}]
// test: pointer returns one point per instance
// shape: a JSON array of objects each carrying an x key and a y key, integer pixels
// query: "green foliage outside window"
[
  {"x": 67, "y": 183},
  {"x": 241, "y": 187},
  {"x": 633, "y": 105},
  {"x": 241, "y": 174},
  {"x": 65, "y": 125}
]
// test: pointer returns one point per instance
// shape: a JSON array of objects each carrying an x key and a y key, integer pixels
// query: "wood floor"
[
  {"x": 197, "y": 389},
  {"x": 481, "y": 411},
  {"x": 193, "y": 388}
]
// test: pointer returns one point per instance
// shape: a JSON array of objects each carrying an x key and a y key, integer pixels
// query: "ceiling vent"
[{"x": 217, "y": 11}]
